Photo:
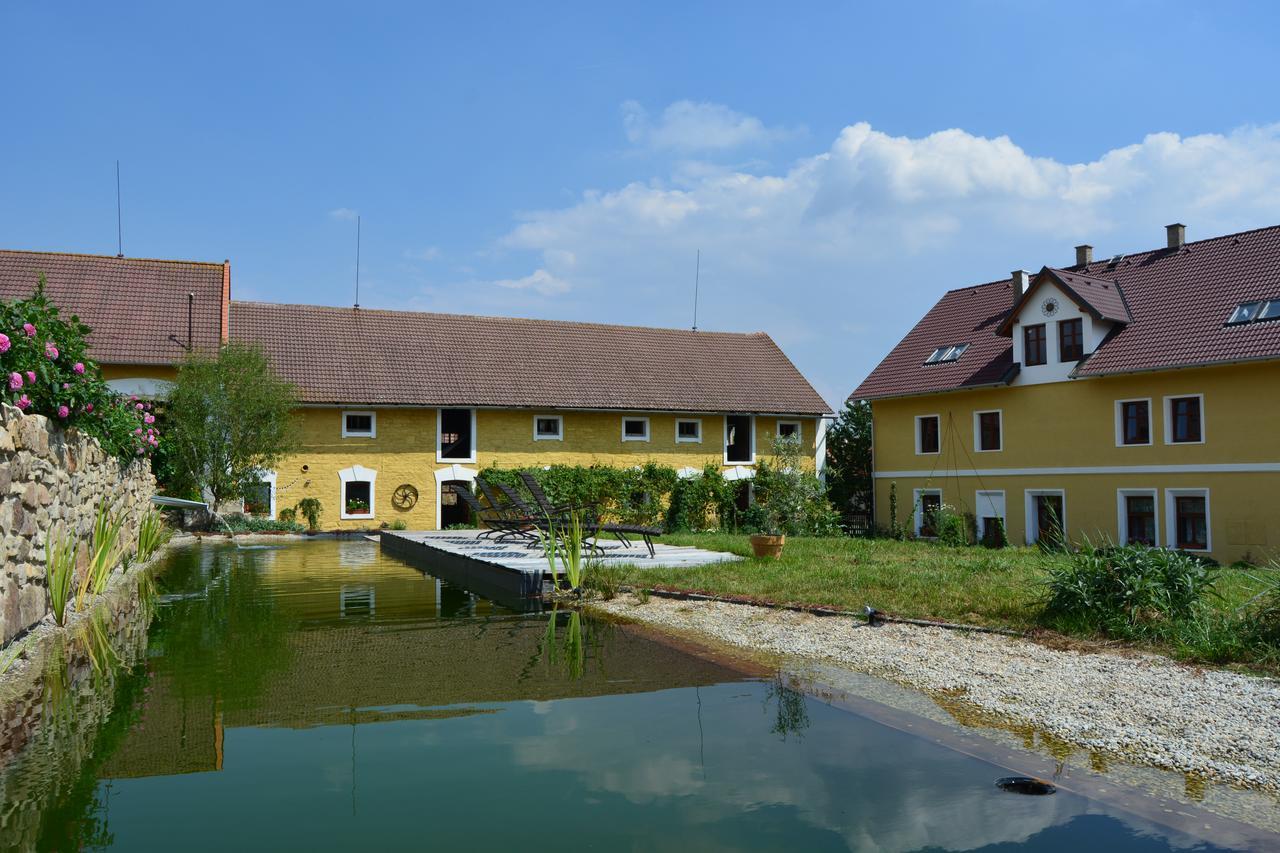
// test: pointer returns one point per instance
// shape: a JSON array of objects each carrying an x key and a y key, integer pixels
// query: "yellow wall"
[
  {"x": 1072, "y": 425},
  {"x": 139, "y": 371},
  {"x": 404, "y": 451}
]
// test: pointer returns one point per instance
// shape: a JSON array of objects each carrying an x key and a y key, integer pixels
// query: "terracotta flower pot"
[{"x": 767, "y": 546}]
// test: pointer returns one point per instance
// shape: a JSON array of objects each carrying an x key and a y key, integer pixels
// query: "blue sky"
[{"x": 839, "y": 165}]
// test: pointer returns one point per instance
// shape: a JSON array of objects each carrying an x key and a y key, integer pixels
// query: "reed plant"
[
  {"x": 102, "y": 554},
  {"x": 550, "y": 547},
  {"x": 60, "y": 571},
  {"x": 574, "y": 537},
  {"x": 152, "y": 534}
]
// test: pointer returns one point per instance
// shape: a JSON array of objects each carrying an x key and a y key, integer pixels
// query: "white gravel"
[{"x": 1146, "y": 708}]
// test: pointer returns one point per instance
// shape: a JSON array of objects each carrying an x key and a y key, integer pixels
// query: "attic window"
[{"x": 952, "y": 352}]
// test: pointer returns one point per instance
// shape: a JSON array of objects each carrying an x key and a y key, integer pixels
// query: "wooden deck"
[{"x": 501, "y": 569}]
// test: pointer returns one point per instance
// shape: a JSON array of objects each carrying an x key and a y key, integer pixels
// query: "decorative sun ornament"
[
  {"x": 1049, "y": 307},
  {"x": 404, "y": 497}
]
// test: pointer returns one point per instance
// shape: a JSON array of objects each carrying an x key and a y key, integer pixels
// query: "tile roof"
[
  {"x": 1100, "y": 297},
  {"x": 137, "y": 307},
  {"x": 377, "y": 357},
  {"x": 1177, "y": 301}
]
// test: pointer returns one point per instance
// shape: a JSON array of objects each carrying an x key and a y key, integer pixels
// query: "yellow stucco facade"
[
  {"x": 403, "y": 450},
  {"x": 1065, "y": 439}
]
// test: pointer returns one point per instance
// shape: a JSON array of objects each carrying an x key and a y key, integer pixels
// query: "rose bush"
[{"x": 46, "y": 368}]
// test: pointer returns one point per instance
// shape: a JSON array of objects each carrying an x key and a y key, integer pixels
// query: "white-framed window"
[
  {"x": 688, "y": 431},
  {"x": 739, "y": 439},
  {"x": 635, "y": 429},
  {"x": 1133, "y": 422},
  {"x": 988, "y": 431},
  {"x": 1138, "y": 516},
  {"x": 548, "y": 428},
  {"x": 787, "y": 428},
  {"x": 356, "y": 493},
  {"x": 455, "y": 435},
  {"x": 1184, "y": 419},
  {"x": 928, "y": 435},
  {"x": 988, "y": 511},
  {"x": 1187, "y": 519},
  {"x": 1046, "y": 514},
  {"x": 260, "y": 497},
  {"x": 926, "y": 503},
  {"x": 359, "y": 424}
]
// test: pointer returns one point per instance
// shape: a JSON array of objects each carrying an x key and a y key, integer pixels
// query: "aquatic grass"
[
  {"x": 103, "y": 553},
  {"x": 153, "y": 533},
  {"x": 11, "y": 654},
  {"x": 61, "y": 550},
  {"x": 550, "y": 546},
  {"x": 574, "y": 537}
]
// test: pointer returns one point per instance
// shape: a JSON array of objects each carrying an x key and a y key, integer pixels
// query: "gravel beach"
[{"x": 1146, "y": 708}]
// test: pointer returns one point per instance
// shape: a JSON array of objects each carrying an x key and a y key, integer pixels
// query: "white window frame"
[
  {"x": 559, "y": 436},
  {"x": 1168, "y": 420},
  {"x": 698, "y": 439},
  {"x": 1033, "y": 522},
  {"x": 977, "y": 431},
  {"x": 268, "y": 477},
  {"x": 1122, "y": 511},
  {"x": 373, "y": 424},
  {"x": 1171, "y": 511},
  {"x": 917, "y": 508},
  {"x": 357, "y": 474},
  {"x": 724, "y": 438},
  {"x": 439, "y": 446},
  {"x": 1151, "y": 427},
  {"x": 643, "y": 420},
  {"x": 938, "y": 418},
  {"x": 799, "y": 425},
  {"x": 986, "y": 495}
]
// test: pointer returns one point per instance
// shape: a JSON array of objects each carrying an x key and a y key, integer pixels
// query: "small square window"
[
  {"x": 689, "y": 431},
  {"x": 788, "y": 428},
  {"x": 548, "y": 428},
  {"x": 358, "y": 425},
  {"x": 635, "y": 429}
]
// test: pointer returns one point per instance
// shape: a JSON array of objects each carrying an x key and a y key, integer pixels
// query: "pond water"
[{"x": 323, "y": 696}]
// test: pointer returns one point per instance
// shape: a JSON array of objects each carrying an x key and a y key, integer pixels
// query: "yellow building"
[
  {"x": 399, "y": 407},
  {"x": 1127, "y": 400}
]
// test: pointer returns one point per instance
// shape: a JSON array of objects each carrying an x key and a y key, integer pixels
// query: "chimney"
[
  {"x": 1177, "y": 233},
  {"x": 1084, "y": 255},
  {"x": 1021, "y": 281}
]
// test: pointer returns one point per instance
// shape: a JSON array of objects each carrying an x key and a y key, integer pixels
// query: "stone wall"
[{"x": 53, "y": 479}]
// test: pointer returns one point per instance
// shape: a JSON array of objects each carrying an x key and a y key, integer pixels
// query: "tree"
[
  {"x": 849, "y": 460},
  {"x": 229, "y": 420}
]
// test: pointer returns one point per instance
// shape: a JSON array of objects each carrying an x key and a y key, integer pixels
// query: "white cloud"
[
  {"x": 877, "y": 226},
  {"x": 688, "y": 126},
  {"x": 539, "y": 281},
  {"x": 344, "y": 214}
]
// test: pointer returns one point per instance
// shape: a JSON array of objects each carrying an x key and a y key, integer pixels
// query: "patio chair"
[
  {"x": 502, "y": 527},
  {"x": 591, "y": 519}
]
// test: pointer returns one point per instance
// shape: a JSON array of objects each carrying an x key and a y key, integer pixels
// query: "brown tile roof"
[
  {"x": 376, "y": 357},
  {"x": 137, "y": 307},
  {"x": 1177, "y": 302}
]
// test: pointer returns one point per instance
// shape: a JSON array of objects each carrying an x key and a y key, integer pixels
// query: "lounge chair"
[
  {"x": 502, "y": 527},
  {"x": 591, "y": 519}
]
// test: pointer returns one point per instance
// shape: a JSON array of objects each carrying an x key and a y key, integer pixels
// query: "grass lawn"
[{"x": 980, "y": 586}]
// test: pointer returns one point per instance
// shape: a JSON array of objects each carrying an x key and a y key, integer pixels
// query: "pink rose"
[
  {"x": 138, "y": 406},
  {"x": 88, "y": 407},
  {"x": 31, "y": 376},
  {"x": 78, "y": 367},
  {"x": 133, "y": 396},
  {"x": 139, "y": 451},
  {"x": 66, "y": 386},
  {"x": 50, "y": 350},
  {"x": 149, "y": 419},
  {"x": 15, "y": 381},
  {"x": 29, "y": 329},
  {"x": 138, "y": 431},
  {"x": 63, "y": 411},
  {"x": 4, "y": 342},
  {"x": 24, "y": 402}
]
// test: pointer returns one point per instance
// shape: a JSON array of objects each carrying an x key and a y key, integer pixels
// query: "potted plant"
[
  {"x": 780, "y": 490},
  {"x": 356, "y": 506}
]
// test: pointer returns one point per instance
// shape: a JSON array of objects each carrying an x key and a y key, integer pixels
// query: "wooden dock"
[{"x": 500, "y": 570}]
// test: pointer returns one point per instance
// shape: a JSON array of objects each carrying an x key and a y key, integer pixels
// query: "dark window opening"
[
  {"x": 989, "y": 431},
  {"x": 1071, "y": 340},
  {"x": 454, "y": 511},
  {"x": 1049, "y": 520},
  {"x": 930, "y": 506},
  {"x": 257, "y": 498},
  {"x": 635, "y": 428},
  {"x": 742, "y": 496},
  {"x": 737, "y": 439},
  {"x": 691, "y": 430},
  {"x": 357, "y": 498},
  {"x": 1140, "y": 519},
  {"x": 359, "y": 424},
  {"x": 1034, "y": 350},
  {"x": 1135, "y": 422},
  {"x": 455, "y": 434},
  {"x": 929, "y": 439},
  {"x": 1185, "y": 412},
  {"x": 787, "y": 429},
  {"x": 548, "y": 427},
  {"x": 1191, "y": 523}
]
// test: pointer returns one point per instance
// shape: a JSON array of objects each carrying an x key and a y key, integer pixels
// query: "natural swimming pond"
[{"x": 324, "y": 696}]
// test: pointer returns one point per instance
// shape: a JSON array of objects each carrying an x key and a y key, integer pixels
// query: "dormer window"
[
  {"x": 951, "y": 352},
  {"x": 1249, "y": 312},
  {"x": 1034, "y": 350}
]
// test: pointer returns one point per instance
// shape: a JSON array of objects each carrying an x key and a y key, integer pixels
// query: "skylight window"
[
  {"x": 1270, "y": 311},
  {"x": 951, "y": 352},
  {"x": 1249, "y": 312}
]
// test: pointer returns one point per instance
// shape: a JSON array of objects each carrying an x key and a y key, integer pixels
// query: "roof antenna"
[
  {"x": 697, "y": 274},
  {"x": 119, "y": 227},
  {"x": 357, "y": 261}
]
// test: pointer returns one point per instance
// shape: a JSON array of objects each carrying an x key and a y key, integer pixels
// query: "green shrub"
[
  {"x": 702, "y": 502},
  {"x": 791, "y": 500},
  {"x": 310, "y": 509},
  {"x": 952, "y": 527},
  {"x": 239, "y": 523},
  {"x": 1125, "y": 590},
  {"x": 288, "y": 514}
]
